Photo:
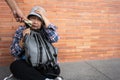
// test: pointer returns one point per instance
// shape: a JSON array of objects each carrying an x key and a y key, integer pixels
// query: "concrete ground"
[{"x": 84, "y": 70}]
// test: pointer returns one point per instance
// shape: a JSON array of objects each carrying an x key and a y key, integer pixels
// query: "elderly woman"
[{"x": 21, "y": 68}]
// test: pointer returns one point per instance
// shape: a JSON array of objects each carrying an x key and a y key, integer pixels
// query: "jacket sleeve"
[
  {"x": 52, "y": 34},
  {"x": 16, "y": 50}
]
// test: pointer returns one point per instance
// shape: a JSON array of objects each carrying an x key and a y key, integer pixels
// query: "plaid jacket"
[{"x": 16, "y": 50}]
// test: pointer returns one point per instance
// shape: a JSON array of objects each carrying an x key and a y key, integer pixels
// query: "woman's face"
[{"x": 36, "y": 22}]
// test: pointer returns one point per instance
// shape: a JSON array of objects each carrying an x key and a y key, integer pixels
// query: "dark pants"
[{"x": 24, "y": 71}]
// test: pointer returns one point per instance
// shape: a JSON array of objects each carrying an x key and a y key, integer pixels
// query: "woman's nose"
[{"x": 35, "y": 21}]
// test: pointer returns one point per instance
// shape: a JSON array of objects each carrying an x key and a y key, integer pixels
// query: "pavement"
[{"x": 84, "y": 70}]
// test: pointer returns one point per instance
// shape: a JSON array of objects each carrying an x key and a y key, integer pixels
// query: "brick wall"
[{"x": 89, "y": 29}]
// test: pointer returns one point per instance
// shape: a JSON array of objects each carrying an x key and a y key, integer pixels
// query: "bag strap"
[
  {"x": 50, "y": 54},
  {"x": 38, "y": 46},
  {"x": 43, "y": 44},
  {"x": 46, "y": 42}
]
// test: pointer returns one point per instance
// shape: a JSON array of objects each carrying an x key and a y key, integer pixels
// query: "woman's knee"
[{"x": 16, "y": 64}]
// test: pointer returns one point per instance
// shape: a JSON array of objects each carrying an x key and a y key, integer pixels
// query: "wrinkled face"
[{"x": 36, "y": 22}]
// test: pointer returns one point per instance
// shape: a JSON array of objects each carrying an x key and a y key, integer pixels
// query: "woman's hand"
[
  {"x": 26, "y": 31},
  {"x": 41, "y": 12}
]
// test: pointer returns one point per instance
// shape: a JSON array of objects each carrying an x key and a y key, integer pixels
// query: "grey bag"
[{"x": 38, "y": 50}]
